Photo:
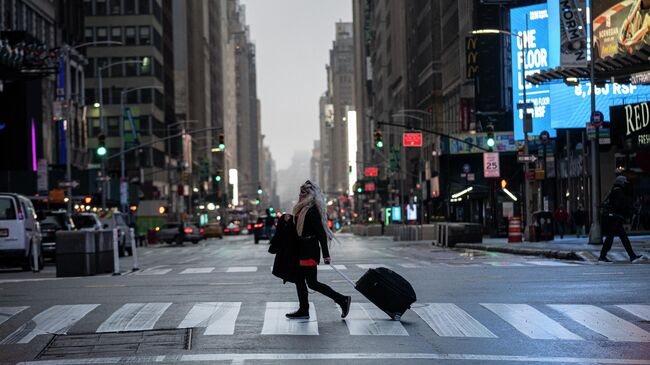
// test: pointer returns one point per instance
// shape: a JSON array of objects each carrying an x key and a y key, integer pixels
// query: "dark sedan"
[
  {"x": 179, "y": 233},
  {"x": 264, "y": 228}
]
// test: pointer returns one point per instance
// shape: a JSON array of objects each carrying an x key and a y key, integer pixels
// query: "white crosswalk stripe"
[
  {"x": 449, "y": 320},
  {"x": 275, "y": 322},
  {"x": 371, "y": 266},
  {"x": 329, "y": 268},
  {"x": 8, "y": 312},
  {"x": 366, "y": 319},
  {"x": 57, "y": 319},
  {"x": 603, "y": 322},
  {"x": 549, "y": 263},
  {"x": 531, "y": 322},
  {"x": 242, "y": 269},
  {"x": 218, "y": 318},
  {"x": 198, "y": 270},
  {"x": 134, "y": 317},
  {"x": 640, "y": 310}
]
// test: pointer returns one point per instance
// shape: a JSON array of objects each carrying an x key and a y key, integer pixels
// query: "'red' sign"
[
  {"x": 372, "y": 171},
  {"x": 412, "y": 139}
]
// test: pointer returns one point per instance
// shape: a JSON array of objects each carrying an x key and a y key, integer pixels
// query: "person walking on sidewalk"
[
  {"x": 615, "y": 209},
  {"x": 580, "y": 220},
  {"x": 561, "y": 218},
  {"x": 310, "y": 217}
]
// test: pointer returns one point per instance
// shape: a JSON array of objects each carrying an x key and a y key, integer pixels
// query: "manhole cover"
[{"x": 116, "y": 343}]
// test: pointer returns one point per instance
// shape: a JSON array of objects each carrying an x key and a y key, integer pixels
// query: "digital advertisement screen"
[{"x": 556, "y": 105}]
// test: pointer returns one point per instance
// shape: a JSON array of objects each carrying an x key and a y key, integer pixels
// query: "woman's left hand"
[{"x": 327, "y": 260}]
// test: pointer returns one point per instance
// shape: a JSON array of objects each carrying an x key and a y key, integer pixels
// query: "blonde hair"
[{"x": 314, "y": 198}]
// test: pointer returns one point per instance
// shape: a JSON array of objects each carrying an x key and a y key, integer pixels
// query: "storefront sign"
[
  {"x": 573, "y": 33},
  {"x": 632, "y": 122},
  {"x": 619, "y": 27}
]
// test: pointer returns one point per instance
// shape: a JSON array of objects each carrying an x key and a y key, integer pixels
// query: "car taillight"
[
  {"x": 236, "y": 229},
  {"x": 20, "y": 213},
  {"x": 188, "y": 230},
  {"x": 248, "y": 227},
  {"x": 227, "y": 230},
  {"x": 202, "y": 230},
  {"x": 258, "y": 225}
]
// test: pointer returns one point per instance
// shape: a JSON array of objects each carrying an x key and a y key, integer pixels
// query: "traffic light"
[
  {"x": 88, "y": 199},
  {"x": 217, "y": 178},
  {"x": 222, "y": 142},
  {"x": 101, "y": 146},
  {"x": 504, "y": 183},
  {"x": 259, "y": 190},
  {"x": 257, "y": 202},
  {"x": 162, "y": 209},
  {"x": 379, "y": 142},
  {"x": 490, "y": 136}
]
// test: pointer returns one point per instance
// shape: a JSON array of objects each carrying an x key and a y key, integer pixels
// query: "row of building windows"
[
  {"x": 17, "y": 15},
  {"x": 123, "y": 7},
  {"x": 121, "y": 69},
  {"x": 143, "y": 35},
  {"x": 112, "y": 96},
  {"x": 146, "y": 125}
]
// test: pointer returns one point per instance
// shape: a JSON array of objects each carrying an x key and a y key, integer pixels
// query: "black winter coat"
[
  {"x": 618, "y": 203},
  {"x": 284, "y": 245},
  {"x": 313, "y": 233}
]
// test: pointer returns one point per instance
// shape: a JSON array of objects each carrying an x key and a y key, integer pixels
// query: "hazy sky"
[{"x": 292, "y": 40}]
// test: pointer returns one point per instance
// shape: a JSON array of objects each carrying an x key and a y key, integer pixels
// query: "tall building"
[
  {"x": 137, "y": 73},
  {"x": 270, "y": 179},
  {"x": 249, "y": 137},
  {"x": 42, "y": 95},
  {"x": 340, "y": 76}
]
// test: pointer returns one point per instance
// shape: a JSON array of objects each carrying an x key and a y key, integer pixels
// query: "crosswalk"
[{"x": 559, "y": 322}]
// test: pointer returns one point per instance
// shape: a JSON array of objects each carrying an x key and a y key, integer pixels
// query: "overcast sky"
[{"x": 292, "y": 39}]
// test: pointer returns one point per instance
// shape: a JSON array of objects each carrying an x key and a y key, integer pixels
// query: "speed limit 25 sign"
[{"x": 491, "y": 164}]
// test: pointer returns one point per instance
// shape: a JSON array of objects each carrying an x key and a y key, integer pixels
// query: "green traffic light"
[
  {"x": 359, "y": 190},
  {"x": 257, "y": 201},
  {"x": 380, "y": 144},
  {"x": 217, "y": 178},
  {"x": 490, "y": 142},
  {"x": 101, "y": 151},
  {"x": 259, "y": 191},
  {"x": 222, "y": 146}
]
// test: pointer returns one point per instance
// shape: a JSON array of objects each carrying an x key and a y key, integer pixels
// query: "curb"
[{"x": 554, "y": 254}]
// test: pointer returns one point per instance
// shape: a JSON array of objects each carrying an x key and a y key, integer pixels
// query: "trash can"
[
  {"x": 543, "y": 223},
  {"x": 75, "y": 253},
  {"x": 104, "y": 251}
]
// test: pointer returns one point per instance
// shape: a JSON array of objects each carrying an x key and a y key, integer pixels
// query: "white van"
[{"x": 18, "y": 230}]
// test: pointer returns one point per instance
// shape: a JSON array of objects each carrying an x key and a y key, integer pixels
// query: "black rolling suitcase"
[{"x": 386, "y": 289}]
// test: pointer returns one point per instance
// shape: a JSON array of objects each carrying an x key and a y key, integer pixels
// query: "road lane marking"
[
  {"x": 134, "y": 317},
  {"x": 449, "y": 320},
  {"x": 154, "y": 270},
  {"x": 550, "y": 263},
  {"x": 8, "y": 312},
  {"x": 329, "y": 267},
  {"x": 640, "y": 310},
  {"x": 275, "y": 322},
  {"x": 410, "y": 265},
  {"x": 603, "y": 322},
  {"x": 218, "y": 318},
  {"x": 531, "y": 322},
  {"x": 198, "y": 270},
  {"x": 242, "y": 269},
  {"x": 371, "y": 266},
  {"x": 207, "y": 357},
  {"x": 366, "y": 319},
  {"x": 57, "y": 319}
]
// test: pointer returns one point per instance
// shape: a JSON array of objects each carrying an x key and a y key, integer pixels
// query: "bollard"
[
  {"x": 136, "y": 267},
  {"x": 116, "y": 253},
  {"x": 35, "y": 255}
]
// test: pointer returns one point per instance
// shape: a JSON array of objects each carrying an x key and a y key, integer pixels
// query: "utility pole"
[{"x": 595, "y": 235}]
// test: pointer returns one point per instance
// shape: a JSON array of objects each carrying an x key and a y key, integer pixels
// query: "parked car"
[
  {"x": 179, "y": 233},
  {"x": 212, "y": 230},
  {"x": 232, "y": 229},
  {"x": 86, "y": 222},
  {"x": 20, "y": 234},
  {"x": 110, "y": 220},
  {"x": 264, "y": 228},
  {"x": 51, "y": 223}
]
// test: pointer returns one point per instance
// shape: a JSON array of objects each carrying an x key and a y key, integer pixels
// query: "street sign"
[
  {"x": 103, "y": 178},
  {"x": 528, "y": 123},
  {"x": 597, "y": 119},
  {"x": 466, "y": 168},
  {"x": 525, "y": 105},
  {"x": 526, "y": 158},
  {"x": 124, "y": 192},
  {"x": 468, "y": 176},
  {"x": 372, "y": 171},
  {"x": 369, "y": 186},
  {"x": 410, "y": 139},
  {"x": 42, "y": 181},
  {"x": 491, "y": 164},
  {"x": 68, "y": 184}
]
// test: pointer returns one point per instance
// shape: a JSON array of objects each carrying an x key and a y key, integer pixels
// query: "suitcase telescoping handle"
[{"x": 343, "y": 276}]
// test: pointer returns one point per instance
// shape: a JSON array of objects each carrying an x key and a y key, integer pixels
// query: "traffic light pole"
[{"x": 435, "y": 133}]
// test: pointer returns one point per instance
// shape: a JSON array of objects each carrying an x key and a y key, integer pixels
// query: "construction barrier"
[{"x": 514, "y": 230}]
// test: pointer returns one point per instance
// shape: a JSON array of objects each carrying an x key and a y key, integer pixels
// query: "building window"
[
  {"x": 116, "y": 34},
  {"x": 145, "y": 96},
  {"x": 145, "y": 126},
  {"x": 130, "y": 36},
  {"x": 115, "y": 7},
  {"x": 116, "y": 95},
  {"x": 157, "y": 70},
  {"x": 117, "y": 70},
  {"x": 145, "y": 35},
  {"x": 88, "y": 7},
  {"x": 91, "y": 98},
  {"x": 89, "y": 68},
  {"x": 100, "y": 7},
  {"x": 145, "y": 70},
  {"x": 144, "y": 7},
  {"x": 132, "y": 68},
  {"x": 157, "y": 40},
  {"x": 129, "y": 7},
  {"x": 88, "y": 34},
  {"x": 113, "y": 126},
  {"x": 131, "y": 97},
  {"x": 102, "y": 34},
  {"x": 159, "y": 99},
  {"x": 157, "y": 11}
]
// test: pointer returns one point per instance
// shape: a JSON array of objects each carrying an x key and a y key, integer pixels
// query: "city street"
[{"x": 217, "y": 302}]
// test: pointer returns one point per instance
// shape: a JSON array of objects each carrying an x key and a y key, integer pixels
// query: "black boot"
[
  {"x": 345, "y": 306},
  {"x": 302, "y": 313}
]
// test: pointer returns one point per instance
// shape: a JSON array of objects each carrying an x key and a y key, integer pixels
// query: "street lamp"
[
  {"x": 124, "y": 196},
  {"x": 100, "y": 105},
  {"x": 526, "y": 118}
]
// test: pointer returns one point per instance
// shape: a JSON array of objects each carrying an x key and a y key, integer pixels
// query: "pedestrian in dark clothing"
[
  {"x": 615, "y": 209},
  {"x": 561, "y": 218},
  {"x": 284, "y": 245},
  {"x": 309, "y": 216},
  {"x": 580, "y": 220}
]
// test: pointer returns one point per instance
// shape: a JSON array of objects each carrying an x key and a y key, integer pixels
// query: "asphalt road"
[{"x": 217, "y": 302}]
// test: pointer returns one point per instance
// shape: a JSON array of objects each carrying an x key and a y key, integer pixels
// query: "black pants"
[
  {"x": 616, "y": 229},
  {"x": 308, "y": 279}
]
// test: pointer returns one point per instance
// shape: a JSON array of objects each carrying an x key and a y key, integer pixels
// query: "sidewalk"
[{"x": 569, "y": 248}]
